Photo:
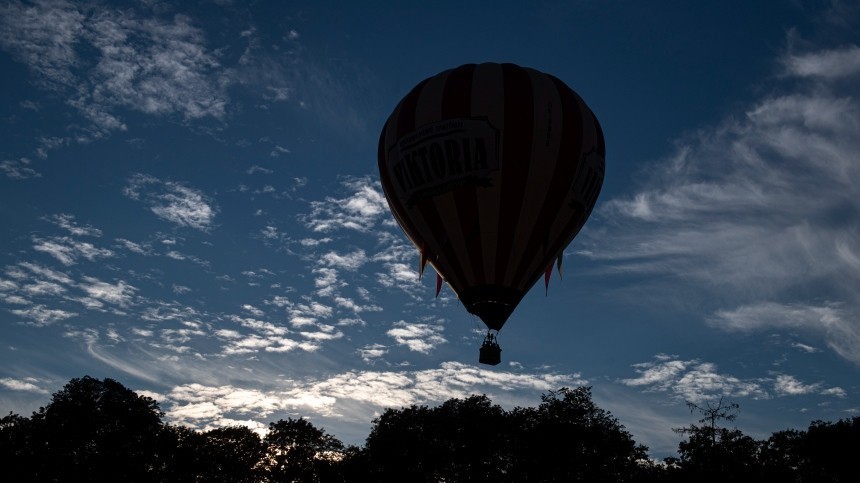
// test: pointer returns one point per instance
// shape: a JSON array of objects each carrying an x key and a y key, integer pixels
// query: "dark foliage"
[
  {"x": 94, "y": 431},
  {"x": 569, "y": 438},
  {"x": 714, "y": 453},
  {"x": 461, "y": 440},
  {"x": 98, "y": 430},
  {"x": 298, "y": 451}
]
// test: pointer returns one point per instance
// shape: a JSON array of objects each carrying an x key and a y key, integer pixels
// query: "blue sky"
[{"x": 191, "y": 205}]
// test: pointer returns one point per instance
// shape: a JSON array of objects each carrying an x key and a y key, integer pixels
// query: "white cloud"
[
  {"x": 834, "y": 321},
  {"x": 67, "y": 221},
  {"x": 142, "y": 63},
  {"x": 691, "y": 380},
  {"x": 350, "y": 304},
  {"x": 270, "y": 233},
  {"x": 327, "y": 282},
  {"x": 46, "y": 272},
  {"x": 18, "y": 169},
  {"x": 828, "y": 64},
  {"x": 120, "y": 293},
  {"x": 359, "y": 211},
  {"x": 370, "y": 353},
  {"x": 696, "y": 381},
  {"x": 42, "y": 287},
  {"x": 278, "y": 150},
  {"x": 353, "y": 395},
  {"x": 417, "y": 337},
  {"x": 260, "y": 326},
  {"x": 401, "y": 275},
  {"x": 22, "y": 385},
  {"x": 253, "y": 310},
  {"x": 322, "y": 335},
  {"x": 787, "y": 385},
  {"x": 184, "y": 206},
  {"x": 42, "y": 315},
  {"x": 306, "y": 314},
  {"x": 805, "y": 348},
  {"x": 834, "y": 391},
  {"x": 312, "y": 242},
  {"x": 67, "y": 250},
  {"x": 791, "y": 386},
  {"x": 258, "y": 169},
  {"x": 173, "y": 201},
  {"x": 43, "y": 36},
  {"x": 759, "y": 208},
  {"x": 348, "y": 261}
]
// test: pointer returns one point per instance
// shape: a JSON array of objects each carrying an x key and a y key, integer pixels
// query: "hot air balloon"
[{"x": 491, "y": 170}]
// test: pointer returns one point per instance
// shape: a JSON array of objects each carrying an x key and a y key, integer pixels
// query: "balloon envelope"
[{"x": 491, "y": 170}]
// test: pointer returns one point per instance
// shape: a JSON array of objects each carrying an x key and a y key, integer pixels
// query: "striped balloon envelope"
[{"x": 491, "y": 170}]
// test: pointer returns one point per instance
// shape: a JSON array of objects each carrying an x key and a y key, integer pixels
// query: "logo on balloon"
[{"x": 443, "y": 156}]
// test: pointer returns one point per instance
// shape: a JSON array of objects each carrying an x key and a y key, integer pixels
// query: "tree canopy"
[{"x": 99, "y": 430}]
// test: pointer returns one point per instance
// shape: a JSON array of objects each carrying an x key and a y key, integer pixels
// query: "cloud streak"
[
  {"x": 697, "y": 381},
  {"x": 350, "y": 394},
  {"x": 761, "y": 207}
]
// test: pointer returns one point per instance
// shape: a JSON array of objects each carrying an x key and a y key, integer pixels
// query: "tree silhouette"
[
  {"x": 780, "y": 457},
  {"x": 715, "y": 453},
  {"x": 16, "y": 445},
  {"x": 96, "y": 430},
  {"x": 230, "y": 454},
  {"x": 295, "y": 450},
  {"x": 461, "y": 440},
  {"x": 829, "y": 451},
  {"x": 569, "y": 438}
]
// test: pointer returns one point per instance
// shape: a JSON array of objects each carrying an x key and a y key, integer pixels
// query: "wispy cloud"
[
  {"x": 42, "y": 315},
  {"x": 173, "y": 201},
  {"x": 26, "y": 385},
  {"x": 692, "y": 380},
  {"x": 696, "y": 381},
  {"x": 18, "y": 169},
  {"x": 787, "y": 385},
  {"x": 120, "y": 293},
  {"x": 760, "y": 207},
  {"x": 834, "y": 321},
  {"x": 68, "y": 250},
  {"x": 829, "y": 64},
  {"x": 67, "y": 221},
  {"x": 43, "y": 36},
  {"x": 142, "y": 62},
  {"x": 350, "y": 394}
]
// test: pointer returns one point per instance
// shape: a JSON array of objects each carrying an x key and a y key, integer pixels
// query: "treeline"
[{"x": 98, "y": 430}]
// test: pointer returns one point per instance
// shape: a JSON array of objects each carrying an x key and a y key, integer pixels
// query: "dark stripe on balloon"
[
  {"x": 560, "y": 186},
  {"x": 577, "y": 221},
  {"x": 456, "y": 104},
  {"x": 516, "y": 150}
]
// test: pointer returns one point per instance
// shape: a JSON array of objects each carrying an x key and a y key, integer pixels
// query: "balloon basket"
[{"x": 490, "y": 353}]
